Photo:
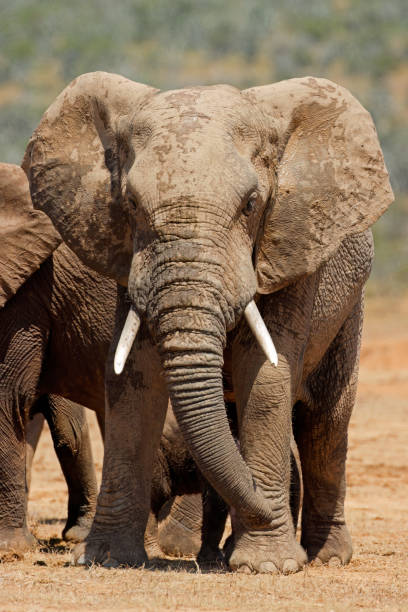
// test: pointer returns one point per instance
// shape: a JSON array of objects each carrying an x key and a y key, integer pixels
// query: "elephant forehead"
[
  {"x": 213, "y": 98},
  {"x": 186, "y": 146},
  {"x": 197, "y": 165},
  {"x": 189, "y": 111},
  {"x": 187, "y": 134}
]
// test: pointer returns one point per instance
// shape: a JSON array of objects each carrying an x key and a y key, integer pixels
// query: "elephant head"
[
  {"x": 27, "y": 236},
  {"x": 197, "y": 199}
]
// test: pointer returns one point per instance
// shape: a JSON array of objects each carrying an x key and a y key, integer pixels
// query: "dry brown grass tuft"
[{"x": 377, "y": 505}]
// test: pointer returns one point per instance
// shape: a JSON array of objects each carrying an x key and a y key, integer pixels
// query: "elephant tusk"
[
  {"x": 261, "y": 333},
  {"x": 127, "y": 337}
]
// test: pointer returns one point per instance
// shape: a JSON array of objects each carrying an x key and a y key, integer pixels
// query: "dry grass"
[{"x": 377, "y": 504}]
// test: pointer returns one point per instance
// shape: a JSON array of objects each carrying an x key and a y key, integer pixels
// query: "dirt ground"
[{"x": 377, "y": 513}]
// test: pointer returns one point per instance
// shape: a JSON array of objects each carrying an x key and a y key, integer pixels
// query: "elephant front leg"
[
  {"x": 22, "y": 346},
  {"x": 321, "y": 433},
  {"x": 135, "y": 411},
  {"x": 263, "y": 395},
  {"x": 15, "y": 536}
]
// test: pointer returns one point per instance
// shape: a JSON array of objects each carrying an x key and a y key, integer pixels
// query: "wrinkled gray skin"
[
  {"x": 56, "y": 320},
  {"x": 192, "y": 515},
  {"x": 199, "y": 200},
  {"x": 70, "y": 434},
  {"x": 193, "y": 525}
]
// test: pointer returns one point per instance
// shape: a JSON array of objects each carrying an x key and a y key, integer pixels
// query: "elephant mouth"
[{"x": 251, "y": 313}]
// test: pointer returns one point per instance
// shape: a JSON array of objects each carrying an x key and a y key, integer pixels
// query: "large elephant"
[
  {"x": 56, "y": 322},
  {"x": 200, "y": 201}
]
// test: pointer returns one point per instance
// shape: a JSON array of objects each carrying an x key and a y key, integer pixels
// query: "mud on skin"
[{"x": 200, "y": 200}]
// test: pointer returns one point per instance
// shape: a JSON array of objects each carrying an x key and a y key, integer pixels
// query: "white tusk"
[
  {"x": 127, "y": 337},
  {"x": 260, "y": 331}
]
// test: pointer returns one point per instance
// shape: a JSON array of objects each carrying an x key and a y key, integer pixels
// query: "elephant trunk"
[{"x": 191, "y": 339}]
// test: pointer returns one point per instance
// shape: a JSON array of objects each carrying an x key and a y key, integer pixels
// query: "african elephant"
[
  {"x": 56, "y": 320},
  {"x": 208, "y": 204}
]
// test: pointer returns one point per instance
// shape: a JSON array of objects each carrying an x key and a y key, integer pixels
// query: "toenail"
[
  {"x": 111, "y": 563},
  {"x": 290, "y": 566},
  {"x": 316, "y": 562},
  {"x": 334, "y": 562},
  {"x": 80, "y": 560},
  {"x": 267, "y": 567},
  {"x": 244, "y": 569}
]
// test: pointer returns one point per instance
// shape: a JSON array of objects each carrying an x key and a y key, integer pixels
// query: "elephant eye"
[
  {"x": 132, "y": 201},
  {"x": 251, "y": 204}
]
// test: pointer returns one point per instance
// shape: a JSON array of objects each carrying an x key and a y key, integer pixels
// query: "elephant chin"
[{"x": 252, "y": 315}]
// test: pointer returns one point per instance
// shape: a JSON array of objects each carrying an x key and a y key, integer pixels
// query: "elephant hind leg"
[
  {"x": 15, "y": 536},
  {"x": 320, "y": 429},
  {"x": 70, "y": 434}
]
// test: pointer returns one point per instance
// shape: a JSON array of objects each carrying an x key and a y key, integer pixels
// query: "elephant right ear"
[
  {"x": 27, "y": 236},
  {"x": 76, "y": 162},
  {"x": 331, "y": 181}
]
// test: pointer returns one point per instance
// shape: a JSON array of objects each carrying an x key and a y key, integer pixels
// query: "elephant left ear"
[
  {"x": 27, "y": 236},
  {"x": 331, "y": 177}
]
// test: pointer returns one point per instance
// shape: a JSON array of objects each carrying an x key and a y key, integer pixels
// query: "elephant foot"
[
  {"x": 79, "y": 523},
  {"x": 211, "y": 559},
  {"x": 15, "y": 541},
  {"x": 151, "y": 543},
  {"x": 153, "y": 550},
  {"x": 178, "y": 540},
  {"x": 267, "y": 553},
  {"x": 116, "y": 550},
  {"x": 79, "y": 531},
  {"x": 330, "y": 543}
]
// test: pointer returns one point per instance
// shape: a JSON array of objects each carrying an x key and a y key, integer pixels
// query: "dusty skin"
[{"x": 376, "y": 508}]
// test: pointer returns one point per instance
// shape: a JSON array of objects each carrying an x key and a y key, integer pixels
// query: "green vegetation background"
[{"x": 362, "y": 44}]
